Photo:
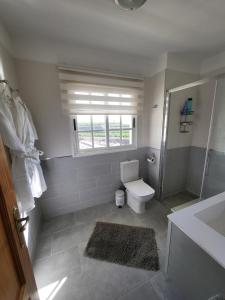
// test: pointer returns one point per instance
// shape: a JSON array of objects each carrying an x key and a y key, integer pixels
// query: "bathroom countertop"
[{"x": 202, "y": 234}]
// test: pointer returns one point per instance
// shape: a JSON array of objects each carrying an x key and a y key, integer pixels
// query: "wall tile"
[
  {"x": 81, "y": 182},
  {"x": 92, "y": 171},
  {"x": 177, "y": 161},
  {"x": 195, "y": 169},
  {"x": 34, "y": 227},
  {"x": 153, "y": 169}
]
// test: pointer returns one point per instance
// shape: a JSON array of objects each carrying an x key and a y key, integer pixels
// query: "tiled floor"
[
  {"x": 179, "y": 199},
  {"x": 62, "y": 272}
]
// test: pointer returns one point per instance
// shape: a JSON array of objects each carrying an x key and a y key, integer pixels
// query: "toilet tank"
[{"x": 129, "y": 170}]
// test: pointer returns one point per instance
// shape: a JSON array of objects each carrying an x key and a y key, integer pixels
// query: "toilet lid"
[{"x": 139, "y": 188}]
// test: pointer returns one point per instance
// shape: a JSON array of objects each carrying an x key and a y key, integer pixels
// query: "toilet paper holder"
[{"x": 152, "y": 158}]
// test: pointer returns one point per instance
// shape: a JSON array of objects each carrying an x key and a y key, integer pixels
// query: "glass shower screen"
[{"x": 214, "y": 177}]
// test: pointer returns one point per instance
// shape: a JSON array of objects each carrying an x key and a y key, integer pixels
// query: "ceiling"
[{"x": 184, "y": 26}]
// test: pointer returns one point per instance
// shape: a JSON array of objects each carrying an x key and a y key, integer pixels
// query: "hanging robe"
[{"x": 19, "y": 135}]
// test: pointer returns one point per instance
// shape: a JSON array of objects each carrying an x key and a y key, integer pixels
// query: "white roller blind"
[{"x": 91, "y": 93}]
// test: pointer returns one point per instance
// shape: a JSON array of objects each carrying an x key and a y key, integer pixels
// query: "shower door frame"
[{"x": 164, "y": 139}]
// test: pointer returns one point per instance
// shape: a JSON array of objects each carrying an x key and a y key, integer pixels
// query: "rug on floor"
[{"x": 125, "y": 245}]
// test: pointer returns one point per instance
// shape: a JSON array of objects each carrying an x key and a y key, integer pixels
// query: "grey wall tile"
[
  {"x": 66, "y": 187},
  {"x": 34, "y": 227},
  {"x": 215, "y": 175},
  {"x": 54, "y": 203},
  {"x": 195, "y": 169},
  {"x": 81, "y": 182},
  {"x": 86, "y": 183},
  {"x": 153, "y": 169},
  {"x": 177, "y": 162},
  {"x": 184, "y": 171},
  {"x": 192, "y": 270},
  {"x": 93, "y": 171}
]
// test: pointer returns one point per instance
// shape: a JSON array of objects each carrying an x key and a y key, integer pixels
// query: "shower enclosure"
[{"x": 192, "y": 164}]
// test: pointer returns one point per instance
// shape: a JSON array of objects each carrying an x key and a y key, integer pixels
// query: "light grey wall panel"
[
  {"x": 195, "y": 169},
  {"x": 176, "y": 167},
  {"x": 81, "y": 182},
  {"x": 193, "y": 272},
  {"x": 215, "y": 174},
  {"x": 34, "y": 227},
  {"x": 153, "y": 169}
]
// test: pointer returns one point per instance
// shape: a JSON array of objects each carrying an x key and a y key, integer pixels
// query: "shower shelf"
[{"x": 185, "y": 123}]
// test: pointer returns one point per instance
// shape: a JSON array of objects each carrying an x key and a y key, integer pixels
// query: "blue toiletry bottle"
[
  {"x": 184, "y": 110},
  {"x": 189, "y": 104}
]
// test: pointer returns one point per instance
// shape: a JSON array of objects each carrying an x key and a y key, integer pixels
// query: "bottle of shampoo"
[
  {"x": 189, "y": 104},
  {"x": 184, "y": 110}
]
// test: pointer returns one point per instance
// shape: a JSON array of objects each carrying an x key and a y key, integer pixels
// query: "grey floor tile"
[
  {"x": 119, "y": 279},
  {"x": 43, "y": 247},
  {"x": 71, "y": 237},
  {"x": 72, "y": 276},
  {"x": 143, "y": 292},
  {"x": 179, "y": 199},
  {"x": 57, "y": 224},
  {"x": 93, "y": 214},
  {"x": 55, "y": 266},
  {"x": 163, "y": 288},
  {"x": 83, "y": 287}
]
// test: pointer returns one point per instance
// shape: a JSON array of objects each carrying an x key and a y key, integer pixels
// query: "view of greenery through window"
[{"x": 99, "y": 131}]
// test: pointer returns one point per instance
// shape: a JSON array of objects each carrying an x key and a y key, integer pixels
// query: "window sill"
[{"x": 99, "y": 152}]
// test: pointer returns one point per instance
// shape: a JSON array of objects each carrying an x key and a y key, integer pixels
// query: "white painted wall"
[
  {"x": 203, "y": 108},
  {"x": 7, "y": 67},
  {"x": 39, "y": 87},
  {"x": 5, "y": 39},
  {"x": 213, "y": 64},
  {"x": 8, "y": 71},
  {"x": 185, "y": 63},
  {"x": 84, "y": 57},
  {"x": 217, "y": 141},
  {"x": 177, "y": 139},
  {"x": 175, "y": 78},
  {"x": 156, "y": 103},
  {"x": 157, "y": 85}
]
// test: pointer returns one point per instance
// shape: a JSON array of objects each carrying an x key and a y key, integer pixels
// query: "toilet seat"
[
  {"x": 139, "y": 189},
  {"x": 138, "y": 193}
]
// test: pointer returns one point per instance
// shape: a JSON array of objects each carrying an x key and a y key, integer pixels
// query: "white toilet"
[{"x": 138, "y": 192}]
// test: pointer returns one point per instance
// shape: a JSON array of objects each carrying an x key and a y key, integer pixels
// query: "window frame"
[{"x": 101, "y": 150}]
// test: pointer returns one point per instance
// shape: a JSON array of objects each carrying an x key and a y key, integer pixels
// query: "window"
[
  {"x": 103, "y": 107},
  {"x": 94, "y": 133}
]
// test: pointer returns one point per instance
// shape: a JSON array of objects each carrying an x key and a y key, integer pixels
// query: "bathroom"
[{"x": 106, "y": 89}]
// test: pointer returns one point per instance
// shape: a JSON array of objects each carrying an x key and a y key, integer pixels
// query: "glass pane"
[
  {"x": 114, "y": 122},
  {"x": 85, "y": 140},
  {"x": 99, "y": 139},
  {"x": 98, "y": 122},
  {"x": 126, "y": 137},
  {"x": 215, "y": 167},
  {"x": 84, "y": 123},
  {"x": 127, "y": 121},
  {"x": 114, "y": 138}
]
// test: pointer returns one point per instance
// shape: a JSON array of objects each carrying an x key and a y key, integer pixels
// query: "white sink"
[
  {"x": 214, "y": 217},
  {"x": 204, "y": 223}
]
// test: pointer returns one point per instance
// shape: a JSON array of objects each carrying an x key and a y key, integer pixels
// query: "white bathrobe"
[{"x": 19, "y": 135}]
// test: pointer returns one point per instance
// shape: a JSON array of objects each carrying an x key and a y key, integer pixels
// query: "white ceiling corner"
[{"x": 98, "y": 33}]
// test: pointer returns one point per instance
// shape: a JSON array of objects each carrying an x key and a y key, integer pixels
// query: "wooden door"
[{"x": 16, "y": 274}]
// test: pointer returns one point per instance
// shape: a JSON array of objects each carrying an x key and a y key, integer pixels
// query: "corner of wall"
[
  {"x": 5, "y": 39},
  {"x": 213, "y": 65}
]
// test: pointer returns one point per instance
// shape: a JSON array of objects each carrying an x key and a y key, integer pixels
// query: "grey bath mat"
[{"x": 125, "y": 245}]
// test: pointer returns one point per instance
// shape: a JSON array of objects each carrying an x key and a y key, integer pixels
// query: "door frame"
[
  {"x": 20, "y": 253},
  {"x": 164, "y": 137}
]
